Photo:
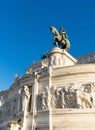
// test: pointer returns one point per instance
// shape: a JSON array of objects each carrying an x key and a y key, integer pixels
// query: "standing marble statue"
[
  {"x": 60, "y": 38},
  {"x": 26, "y": 98}
]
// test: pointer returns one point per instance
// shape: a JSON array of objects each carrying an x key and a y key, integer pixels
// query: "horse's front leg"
[{"x": 56, "y": 41}]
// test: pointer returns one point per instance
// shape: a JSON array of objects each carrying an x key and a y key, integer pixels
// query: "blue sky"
[{"x": 25, "y": 34}]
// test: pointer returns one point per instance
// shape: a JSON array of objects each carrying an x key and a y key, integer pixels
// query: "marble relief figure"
[
  {"x": 43, "y": 99},
  {"x": 86, "y": 98}
]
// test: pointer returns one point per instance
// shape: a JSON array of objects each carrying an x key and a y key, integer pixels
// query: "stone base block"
[{"x": 73, "y": 119}]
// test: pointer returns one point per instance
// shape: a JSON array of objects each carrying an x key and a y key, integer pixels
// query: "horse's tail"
[{"x": 67, "y": 44}]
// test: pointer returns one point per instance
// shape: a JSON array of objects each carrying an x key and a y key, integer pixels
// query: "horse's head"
[{"x": 54, "y": 30}]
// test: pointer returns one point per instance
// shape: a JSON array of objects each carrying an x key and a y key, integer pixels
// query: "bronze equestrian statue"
[{"x": 60, "y": 38}]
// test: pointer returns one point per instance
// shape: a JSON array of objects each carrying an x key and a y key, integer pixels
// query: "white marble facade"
[{"x": 57, "y": 87}]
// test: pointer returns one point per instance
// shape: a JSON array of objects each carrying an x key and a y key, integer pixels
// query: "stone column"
[
  {"x": 34, "y": 93},
  {"x": 49, "y": 97},
  {"x": 19, "y": 100}
]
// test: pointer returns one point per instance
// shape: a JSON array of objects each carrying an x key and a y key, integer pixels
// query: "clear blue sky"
[{"x": 25, "y": 34}]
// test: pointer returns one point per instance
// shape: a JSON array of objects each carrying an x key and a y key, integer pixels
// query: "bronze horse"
[{"x": 60, "y": 38}]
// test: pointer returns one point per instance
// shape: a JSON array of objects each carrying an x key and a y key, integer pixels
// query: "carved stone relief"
[
  {"x": 70, "y": 97},
  {"x": 63, "y": 98},
  {"x": 43, "y": 100},
  {"x": 55, "y": 60}
]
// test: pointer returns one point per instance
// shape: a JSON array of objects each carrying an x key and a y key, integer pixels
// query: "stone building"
[{"x": 56, "y": 93}]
